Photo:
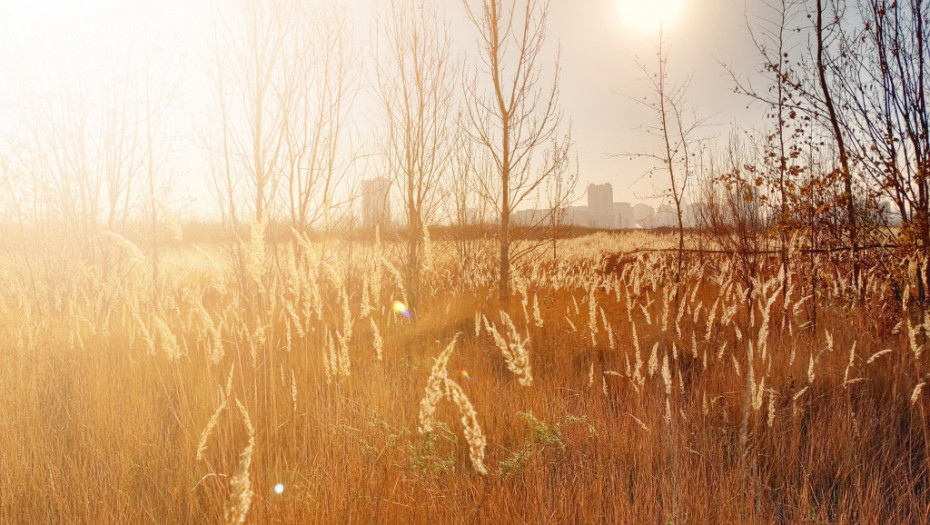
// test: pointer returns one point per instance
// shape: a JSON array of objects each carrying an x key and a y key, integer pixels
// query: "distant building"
[
  {"x": 603, "y": 213},
  {"x": 531, "y": 217},
  {"x": 623, "y": 212},
  {"x": 601, "y": 206},
  {"x": 578, "y": 216},
  {"x": 642, "y": 215},
  {"x": 376, "y": 202},
  {"x": 666, "y": 217},
  {"x": 692, "y": 214}
]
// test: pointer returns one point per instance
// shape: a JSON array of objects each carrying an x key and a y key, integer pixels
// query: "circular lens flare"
[{"x": 401, "y": 308}]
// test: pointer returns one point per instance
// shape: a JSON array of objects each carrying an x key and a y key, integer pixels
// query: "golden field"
[{"x": 292, "y": 390}]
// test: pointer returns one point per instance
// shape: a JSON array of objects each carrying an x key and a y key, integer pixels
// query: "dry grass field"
[{"x": 296, "y": 391}]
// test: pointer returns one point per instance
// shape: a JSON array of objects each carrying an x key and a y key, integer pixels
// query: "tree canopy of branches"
[{"x": 513, "y": 116}]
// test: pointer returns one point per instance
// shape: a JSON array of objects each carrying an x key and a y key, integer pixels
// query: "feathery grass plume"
[
  {"x": 592, "y": 316},
  {"x": 365, "y": 307},
  {"x": 537, "y": 317},
  {"x": 435, "y": 388},
  {"x": 878, "y": 354},
  {"x": 427, "y": 253},
  {"x": 293, "y": 317},
  {"x": 216, "y": 341},
  {"x": 520, "y": 285},
  {"x": 763, "y": 336},
  {"x": 376, "y": 335},
  {"x": 347, "y": 320},
  {"x": 473, "y": 434},
  {"x": 515, "y": 353},
  {"x": 638, "y": 378},
  {"x": 639, "y": 422},
  {"x": 343, "y": 365},
  {"x": 771, "y": 418},
  {"x": 912, "y": 333},
  {"x": 256, "y": 341},
  {"x": 696, "y": 314},
  {"x": 294, "y": 391},
  {"x": 667, "y": 379},
  {"x": 211, "y": 423},
  {"x": 591, "y": 375},
  {"x": 852, "y": 358},
  {"x": 629, "y": 305},
  {"x": 798, "y": 307},
  {"x": 711, "y": 318},
  {"x": 316, "y": 302},
  {"x": 678, "y": 318},
  {"x": 666, "y": 308},
  {"x": 728, "y": 315},
  {"x": 571, "y": 324},
  {"x": 240, "y": 499},
  {"x": 646, "y": 314},
  {"x": 330, "y": 359},
  {"x": 751, "y": 372},
  {"x": 810, "y": 370},
  {"x": 654, "y": 359},
  {"x": 758, "y": 395},
  {"x": 829, "y": 341},
  {"x": 133, "y": 251},
  {"x": 398, "y": 279},
  {"x": 915, "y": 395},
  {"x": 146, "y": 336},
  {"x": 166, "y": 339},
  {"x": 799, "y": 393},
  {"x": 635, "y": 339},
  {"x": 478, "y": 323}
]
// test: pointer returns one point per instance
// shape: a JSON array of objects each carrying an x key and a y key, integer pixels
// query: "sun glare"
[{"x": 647, "y": 16}]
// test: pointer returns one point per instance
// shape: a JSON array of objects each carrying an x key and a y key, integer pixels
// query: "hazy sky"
[{"x": 599, "y": 47}]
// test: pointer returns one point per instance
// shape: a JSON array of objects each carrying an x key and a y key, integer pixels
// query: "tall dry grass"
[{"x": 593, "y": 399}]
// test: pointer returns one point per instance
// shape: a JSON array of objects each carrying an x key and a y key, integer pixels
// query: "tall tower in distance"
[
  {"x": 376, "y": 202},
  {"x": 601, "y": 206}
]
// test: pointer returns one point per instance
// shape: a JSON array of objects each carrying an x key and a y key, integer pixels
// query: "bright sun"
[{"x": 646, "y": 16}]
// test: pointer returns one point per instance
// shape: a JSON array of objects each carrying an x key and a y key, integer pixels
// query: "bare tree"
[
  {"x": 416, "y": 85},
  {"x": 318, "y": 86},
  {"x": 249, "y": 42},
  {"x": 677, "y": 130},
  {"x": 820, "y": 35},
  {"x": 512, "y": 115},
  {"x": 783, "y": 146},
  {"x": 877, "y": 76},
  {"x": 560, "y": 193},
  {"x": 460, "y": 197}
]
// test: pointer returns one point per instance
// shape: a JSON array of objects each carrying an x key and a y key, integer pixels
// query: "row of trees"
[
  {"x": 491, "y": 131},
  {"x": 844, "y": 85},
  {"x": 843, "y": 155},
  {"x": 487, "y": 132}
]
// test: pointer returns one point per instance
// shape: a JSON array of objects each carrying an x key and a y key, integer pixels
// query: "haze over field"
[
  {"x": 52, "y": 43},
  {"x": 279, "y": 261}
]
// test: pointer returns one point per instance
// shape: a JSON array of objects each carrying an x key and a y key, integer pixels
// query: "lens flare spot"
[
  {"x": 401, "y": 308},
  {"x": 279, "y": 488},
  {"x": 465, "y": 374}
]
